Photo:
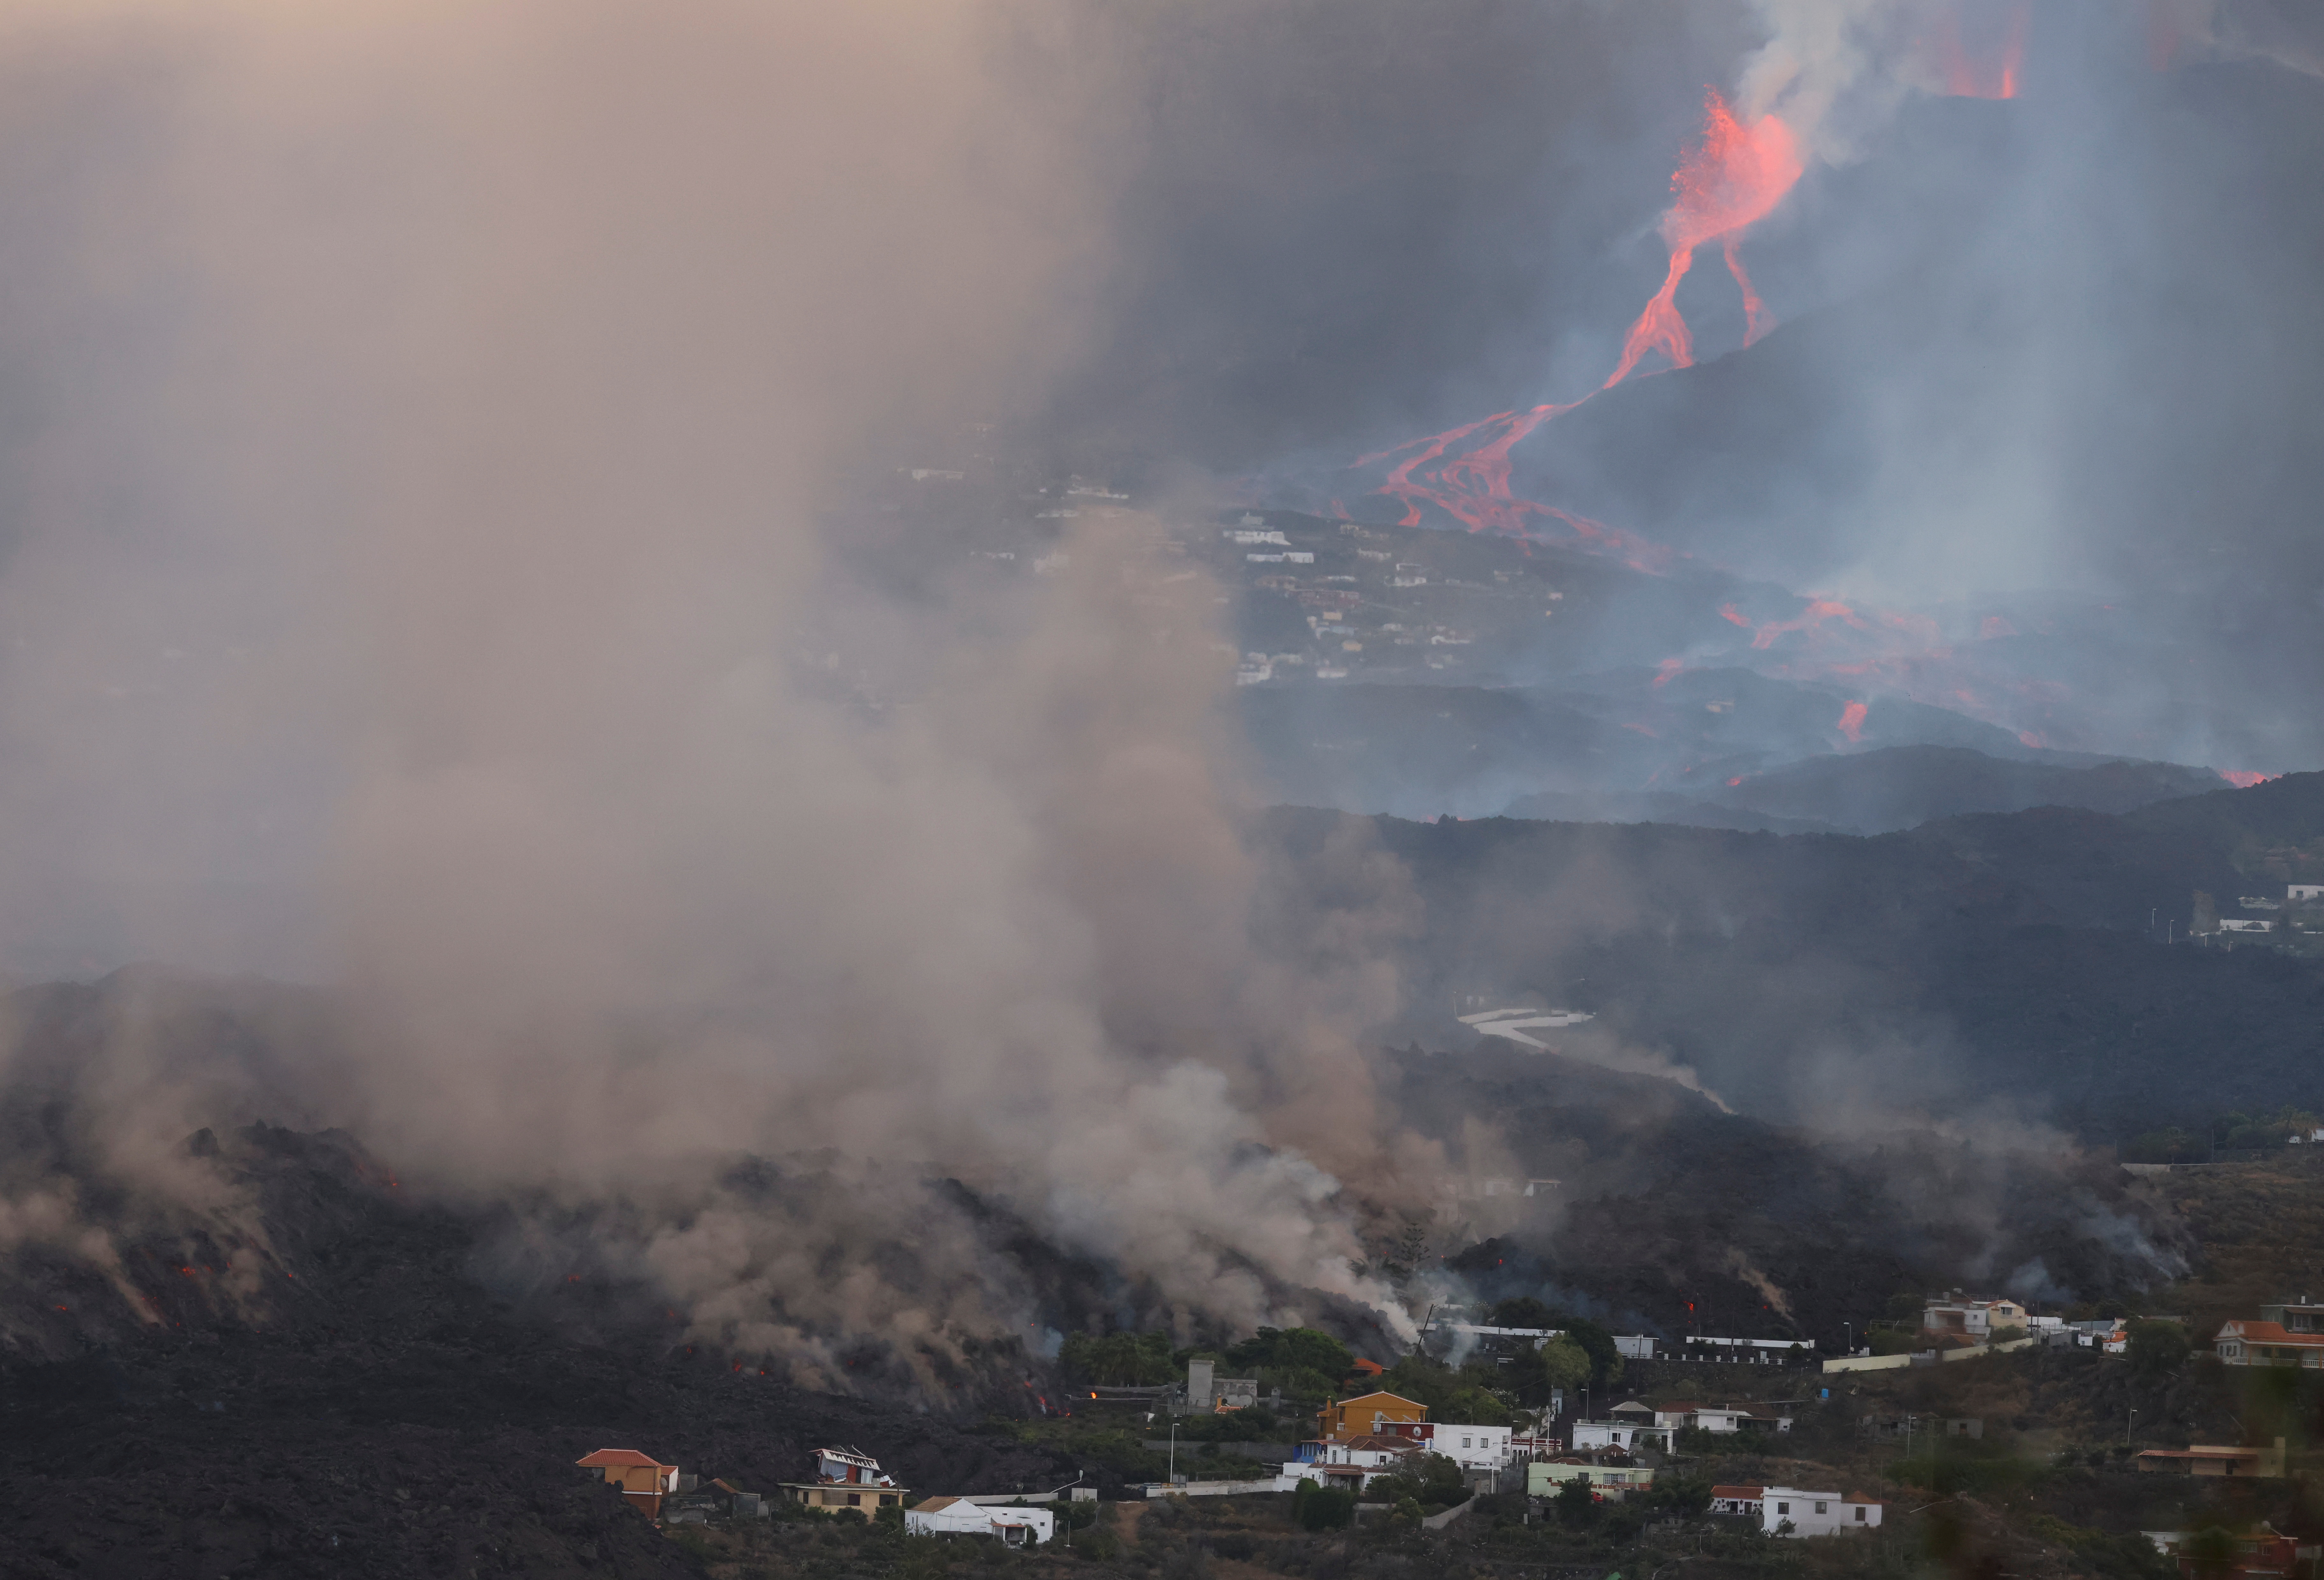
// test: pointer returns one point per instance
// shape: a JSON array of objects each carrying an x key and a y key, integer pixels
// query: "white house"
[
  {"x": 1634, "y": 1346},
  {"x": 1736, "y": 1500},
  {"x": 1972, "y": 1318},
  {"x": 2306, "y": 893},
  {"x": 959, "y": 1516},
  {"x": 1620, "y": 1435},
  {"x": 2244, "y": 924},
  {"x": 1808, "y": 1513},
  {"x": 1710, "y": 1417},
  {"x": 1471, "y": 1447}
]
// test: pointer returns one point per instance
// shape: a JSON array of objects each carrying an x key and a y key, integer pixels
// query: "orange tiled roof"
[
  {"x": 627, "y": 1457},
  {"x": 2269, "y": 1333}
]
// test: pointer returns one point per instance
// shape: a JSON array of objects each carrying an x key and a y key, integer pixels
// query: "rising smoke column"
[{"x": 470, "y": 546}]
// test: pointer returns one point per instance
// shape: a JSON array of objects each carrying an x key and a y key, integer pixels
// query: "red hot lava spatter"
[{"x": 1727, "y": 180}]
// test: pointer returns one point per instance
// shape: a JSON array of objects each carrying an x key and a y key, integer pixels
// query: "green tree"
[
  {"x": 1559, "y": 1363},
  {"x": 1576, "y": 1505},
  {"x": 2156, "y": 1348},
  {"x": 1118, "y": 1360},
  {"x": 1327, "y": 1508},
  {"x": 1292, "y": 1349},
  {"x": 1431, "y": 1478},
  {"x": 1522, "y": 1311},
  {"x": 1467, "y": 1395},
  {"x": 1605, "y": 1359}
]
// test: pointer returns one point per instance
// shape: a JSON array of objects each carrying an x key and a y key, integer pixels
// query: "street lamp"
[
  {"x": 2126, "y": 1428},
  {"x": 1850, "y": 1329}
]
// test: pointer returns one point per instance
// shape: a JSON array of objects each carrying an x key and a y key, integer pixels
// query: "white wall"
[{"x": 1812, "y": 1513}]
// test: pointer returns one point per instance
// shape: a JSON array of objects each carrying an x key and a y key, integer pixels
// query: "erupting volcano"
[{"x": 1731, "y": 178}]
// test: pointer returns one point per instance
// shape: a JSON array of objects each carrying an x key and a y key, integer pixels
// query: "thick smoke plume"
[{"x": 421, "y": 581}]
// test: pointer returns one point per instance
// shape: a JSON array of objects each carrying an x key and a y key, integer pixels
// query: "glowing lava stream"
[
  {"x": 1967, "y": 79},
  {"x": 1732, "y": 178}
]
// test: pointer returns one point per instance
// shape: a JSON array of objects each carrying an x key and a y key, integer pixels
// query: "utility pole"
[{"x": 1173, "y": 1451}]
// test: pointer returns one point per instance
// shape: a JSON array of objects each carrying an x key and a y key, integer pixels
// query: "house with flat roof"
[
  {"x": 846, "y": 1478},
  {"x": 1793, "y": 1512},
  {"x": 2214, "y": 1459}
]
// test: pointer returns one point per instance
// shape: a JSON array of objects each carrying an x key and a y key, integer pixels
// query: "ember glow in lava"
[
  {"x": 1992, "y": 72},
  {"x": 1727, "y": 180}
]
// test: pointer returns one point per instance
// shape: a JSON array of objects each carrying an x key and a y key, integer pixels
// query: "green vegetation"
[
  {"x": 1466, "y": 1395},
  {"x": 1436, "y": 1482},
  {"x": 1304, "y": 1364},
  {"x": 1315, "y": 1508},
  {"x": 1119, "y": 1360},
  {"x": 2232, "y": 1132}
]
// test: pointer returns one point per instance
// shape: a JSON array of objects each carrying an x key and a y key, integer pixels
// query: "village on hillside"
[{"x": 1507, "y": 1431}]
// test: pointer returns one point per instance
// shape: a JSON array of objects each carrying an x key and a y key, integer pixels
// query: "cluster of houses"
[
  {"x": 843, "y": 1479},
  {"x": 2300, "y": 909}
]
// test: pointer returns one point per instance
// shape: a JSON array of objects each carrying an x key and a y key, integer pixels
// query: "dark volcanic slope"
[
  {"x": 379, "y": 1414},
  {"x": 2000, "y": 956},
  {"x": 1903, "y": 787},
  {"x": 1673, "y": 1216}
]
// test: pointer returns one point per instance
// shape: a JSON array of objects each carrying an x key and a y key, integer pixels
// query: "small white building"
[
  {"x": 2244, "y": 924},
  {"x": 1973, "y": 1319},
  {"x": 1471, "y": 1447},
  {"x": 1790, "y": 1511},
  {"x": 2303, "y": 893},
  {"x": 1726, "y": 1500},
  {"x": 1634, "y": 1346},
  {"x": 1587, "y": 1435},
  {"x": 1014, "y": 1527}
]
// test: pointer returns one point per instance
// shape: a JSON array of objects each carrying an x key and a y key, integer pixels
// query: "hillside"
[{"x": 2002, "y": 958}]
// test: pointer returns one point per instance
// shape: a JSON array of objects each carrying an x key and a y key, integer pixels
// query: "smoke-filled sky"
[{"x": 420, "y": 425}]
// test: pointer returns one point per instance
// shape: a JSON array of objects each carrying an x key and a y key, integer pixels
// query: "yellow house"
[
  {"x": 846, "y": 1478},
  {"x": 1366, "y": 1415},
  {"x": 643, "y": 1479}
]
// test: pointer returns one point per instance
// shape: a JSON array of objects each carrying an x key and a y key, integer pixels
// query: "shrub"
[{"x": 1325, "y": 1509}]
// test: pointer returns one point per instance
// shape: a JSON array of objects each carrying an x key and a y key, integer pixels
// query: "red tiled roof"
[
  {"x": 629, "y": 1457},
  {"x": 1381, "y": 1444},
  {"x": 2269, "y": 1333},
  {"x": 1737, "y": 1492}
]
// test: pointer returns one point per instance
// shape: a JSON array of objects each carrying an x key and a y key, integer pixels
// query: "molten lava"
[
  {"x": 1727, "y": 181},
  {"x": 1730, "y": 179},
  {"x": 1852, "y": 721},
  {"x": 2245, "y": 778},
  {"x": 1990, "y": 76}
]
